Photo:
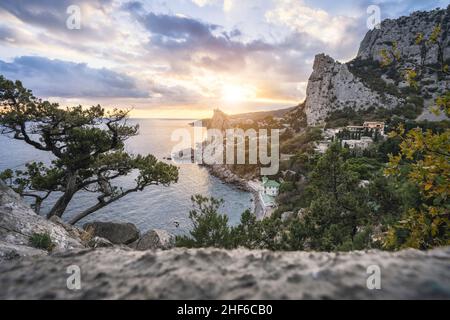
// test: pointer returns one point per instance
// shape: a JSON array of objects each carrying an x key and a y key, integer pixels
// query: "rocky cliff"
[
  {"x": 18, "y": 223},
  {"x": 120, "y": 272},
  {"x": 219, "y": 121},
  {"x": 332, "y": 87},
  {"x": 404, "y": 31},
  {"x": 362, "y": 83}
]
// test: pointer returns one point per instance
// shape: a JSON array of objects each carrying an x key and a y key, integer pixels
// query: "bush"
[
  {"x": 210, "y": 228},
  {"x": 42, "y": 241},
  {"x": 287, "y": 186}
]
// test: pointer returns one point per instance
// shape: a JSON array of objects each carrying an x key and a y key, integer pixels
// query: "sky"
[{"x": 181, "y": 58}]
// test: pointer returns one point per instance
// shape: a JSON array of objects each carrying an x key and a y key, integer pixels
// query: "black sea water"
[{"x": 157, "y": 207}]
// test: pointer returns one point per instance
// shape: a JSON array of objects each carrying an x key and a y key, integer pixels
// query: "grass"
[{"x": 42, "y": 241}]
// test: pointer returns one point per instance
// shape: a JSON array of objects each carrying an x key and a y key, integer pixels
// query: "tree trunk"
[
  {"x": 100, "y": 205},
  {"x": 37, "y": 205},
  {"x": 62, "y": 203},
  {"x": 87, "y": 212}
]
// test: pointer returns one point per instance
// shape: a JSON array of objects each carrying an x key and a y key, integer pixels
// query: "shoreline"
[{"x": 227, "y": 176}]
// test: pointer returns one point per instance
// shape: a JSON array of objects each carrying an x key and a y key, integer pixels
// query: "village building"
[
  {"x": 271, "y": 187},
  {"x": 368, "y": 125},
  {"x": 362, "y": 143},
  {"x": 374, "y": 125},
  {"x": 267, "y": 190}
]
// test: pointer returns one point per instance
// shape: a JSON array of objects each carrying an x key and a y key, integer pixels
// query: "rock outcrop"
[
  {"x": 219, "y": 121},
  {"x": 18, "y": 222},
  {"x": 220, "y": 274},
  {"x": 115, "y": 232},
  {"x": 362, "y": 83},
  {"x": 227, "y": 176},
  {"x": 332, "y": 87},
  {"x": 155, "y": 239},
  {"x": 404, "y": 31}
]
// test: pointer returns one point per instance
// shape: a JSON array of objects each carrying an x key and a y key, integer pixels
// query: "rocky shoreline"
[{"x": 227, "y": 176}]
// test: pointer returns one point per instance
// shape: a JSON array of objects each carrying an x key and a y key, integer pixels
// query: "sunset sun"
[{"x": 237, "y": 93}]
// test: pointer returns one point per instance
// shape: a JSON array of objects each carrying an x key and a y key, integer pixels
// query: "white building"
[
  {"x": 271, "y": 187},
  {"x": 363, "y": 143},
  {"x": 267, "y": 191}
]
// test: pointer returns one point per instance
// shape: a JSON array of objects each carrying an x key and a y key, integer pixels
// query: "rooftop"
[{"x": 270, "y": 183}]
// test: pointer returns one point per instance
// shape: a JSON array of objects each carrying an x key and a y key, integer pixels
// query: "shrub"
[{"x": 42, "y": 241}]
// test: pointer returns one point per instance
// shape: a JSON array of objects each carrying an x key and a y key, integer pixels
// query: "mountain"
[
  {"x": 219, "y": 121},
  {"x": 363, "y": 84},
  {"x": 255, "y": 116}
]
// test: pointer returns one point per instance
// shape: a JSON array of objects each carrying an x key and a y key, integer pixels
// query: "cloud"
[
  {"x": 8, "y": 34},
  {"x": 178, "y": 27},
  {"x": 56, "y": 78},
  {"x": 316, "y": 23},
  {"x": 193, "y": 41},
  {"x": 51, "y": 16},
  {"x": 162, "y": 54},
  {"x": 202, "y": 3},
  {"x": 227, "y": 5}
]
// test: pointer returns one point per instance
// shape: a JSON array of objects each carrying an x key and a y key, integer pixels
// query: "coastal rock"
[
  {"x": 18, "y": 222},
  {"x": 116, "y": 232},
  {"x": 155, "y": 239},
  {"x": 219, "y": 121},
  {"x": 98, "y": 242},
  {"x": 227, "y": 176},
  {"x": 221, "y": 274}
]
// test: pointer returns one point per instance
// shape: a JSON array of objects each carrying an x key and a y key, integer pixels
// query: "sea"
[{"x": 157, "y": 207}]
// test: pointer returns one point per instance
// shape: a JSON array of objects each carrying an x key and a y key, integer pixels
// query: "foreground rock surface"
[{"x": 219, "y": 274}]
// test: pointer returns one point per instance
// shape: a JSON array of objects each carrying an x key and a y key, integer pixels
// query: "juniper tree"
[{"x": 87, "y": 148}]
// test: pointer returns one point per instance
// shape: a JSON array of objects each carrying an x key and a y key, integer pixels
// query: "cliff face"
[
  {"x": 404, "y": 31},
  {"x": 332, "y": 87},
  {"x": 18, "y": 222},
  {"x": 362, "y": 83},
  {"x": 219, "y": 121}
]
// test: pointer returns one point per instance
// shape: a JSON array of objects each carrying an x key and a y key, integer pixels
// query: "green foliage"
[
  {"x": 87, "y": 147},
  {"x": 296, "y": 118},
  {"x": 370, "y": 74},
  {"x": 302, "y": 141},
  {"x": 287, "y": 186},
  {"x": 338, "y": 207},
  {"x": 349, "y": 116},
  {"x": 424, "y": 160},
  {"x": 41, "y": 241},
  {"x": 209, "y": 228}
]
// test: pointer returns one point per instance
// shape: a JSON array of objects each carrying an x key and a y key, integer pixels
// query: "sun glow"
[{"x": 237, "y": 93}]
